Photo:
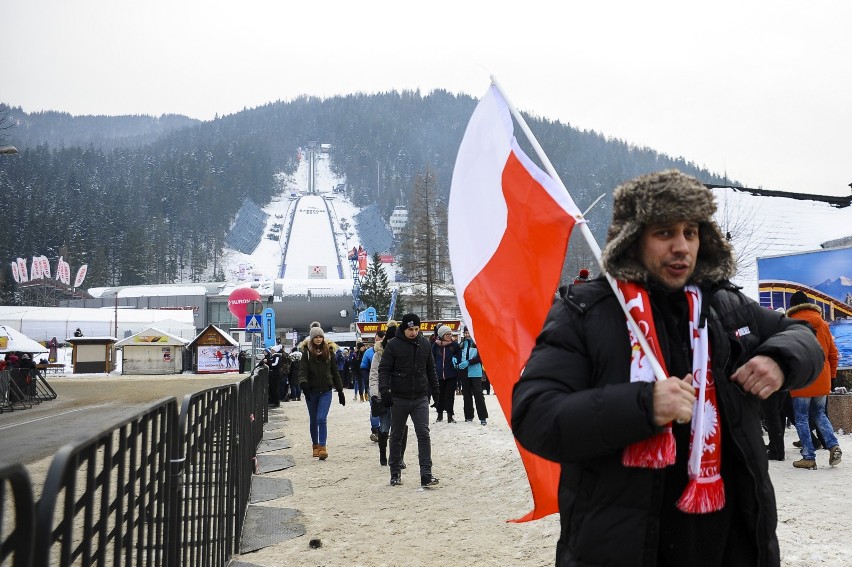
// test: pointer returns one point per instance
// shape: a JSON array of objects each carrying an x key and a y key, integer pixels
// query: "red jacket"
[{"x": 812, "y": 314}]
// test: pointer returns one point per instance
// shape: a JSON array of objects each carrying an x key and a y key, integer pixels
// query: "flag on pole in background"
[
  {"x": 392, "y": 306},
  {"x": 81, "y": 275},
  {"x": 508, "y": 226},
  {"x": 22, "y": 270}
]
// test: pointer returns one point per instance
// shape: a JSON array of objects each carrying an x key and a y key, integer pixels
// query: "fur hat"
[
  {"x": 410, "y": 320},
  {"x": 798, "y": 298},
  {"x": 662, "y": 197},
  {"x": 316, "y": 331},
  {"x": 443, "y": 330}
]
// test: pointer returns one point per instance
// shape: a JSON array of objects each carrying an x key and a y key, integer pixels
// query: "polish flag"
[{"x": 508, "y": 227}]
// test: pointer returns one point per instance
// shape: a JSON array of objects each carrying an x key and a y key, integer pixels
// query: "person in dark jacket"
[
  {"x": 627, "y": 493},
  {"x": 295, "y": 362},
  {"x": 318, "y": 375},
  {"x": 445, "y": 349},
  {"x": 241, "y": 361},
  {"x": 406, "y": 379}
]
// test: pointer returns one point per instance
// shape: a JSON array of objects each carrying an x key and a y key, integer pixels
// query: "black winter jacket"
[
  {"x": 407, "y": 368},
  {"x": 575, "y": 405}
]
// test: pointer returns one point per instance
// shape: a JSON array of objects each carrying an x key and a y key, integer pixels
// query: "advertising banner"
[
  {"x": 217, "y": 359},
  {"x": 81, "y": 275},
  {"x": 22, "y": 270},
  {"x": 825, "y": 276}
]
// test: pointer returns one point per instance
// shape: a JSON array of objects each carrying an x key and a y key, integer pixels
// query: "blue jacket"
[
  {"x": 468, "y": 359},
  {"x": 445, "y": 365},
  {"x": 368, "y": 358}
]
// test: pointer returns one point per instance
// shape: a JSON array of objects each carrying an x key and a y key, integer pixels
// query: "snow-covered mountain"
[{"x": 299, "y": 226}]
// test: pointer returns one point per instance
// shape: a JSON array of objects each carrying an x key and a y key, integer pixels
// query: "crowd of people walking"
[{"x": 401, "y": 375}]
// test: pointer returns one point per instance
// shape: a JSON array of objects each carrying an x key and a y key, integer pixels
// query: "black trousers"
[
  {"x": 418, "y": 409},
  {"x": 772, "y": 408},
  {"x": 472, "y": 393},
  {"x": 446, "y": 396},
  {"x": 274, "y": 387}
]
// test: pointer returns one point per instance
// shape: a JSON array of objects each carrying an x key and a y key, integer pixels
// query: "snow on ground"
[{"x": 347, "y": 503}]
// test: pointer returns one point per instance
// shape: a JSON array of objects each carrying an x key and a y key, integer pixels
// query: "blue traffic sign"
[{"x": 253, "y": 324}]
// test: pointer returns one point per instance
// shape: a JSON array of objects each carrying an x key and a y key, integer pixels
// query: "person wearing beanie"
[
  {"x": 445, "y": 349},
  {"x": 318, "y": 375},
  {"x": 406, "y": 380},
  {"x": 798, "y": 298},
  {"x": 377, "y": 408},
  {"x": 809, "y": 402},
  {"x": 582, "y": 276},
  {"x": 673, "y": 481}
]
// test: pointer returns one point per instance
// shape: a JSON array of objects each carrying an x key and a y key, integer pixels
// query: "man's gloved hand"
[
  {"x": 341, "y": 397},
  {"x": 387, "y": 399}
]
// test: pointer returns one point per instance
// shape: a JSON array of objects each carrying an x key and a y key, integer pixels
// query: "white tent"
[
  {"x": 13, "y": 341},
  {"x": 43, "y": 323}
]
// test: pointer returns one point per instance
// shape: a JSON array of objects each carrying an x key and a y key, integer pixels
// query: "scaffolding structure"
[{"x": 48, "y": 292}]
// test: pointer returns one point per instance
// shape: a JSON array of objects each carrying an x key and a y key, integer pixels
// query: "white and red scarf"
[{"x": 705, "y": 491}]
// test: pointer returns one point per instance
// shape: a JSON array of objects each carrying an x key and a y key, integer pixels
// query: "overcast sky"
[{"x": 758, "y": 89}]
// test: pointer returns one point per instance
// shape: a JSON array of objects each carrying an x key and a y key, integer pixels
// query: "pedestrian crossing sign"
[{"x": 253, "y": 324}]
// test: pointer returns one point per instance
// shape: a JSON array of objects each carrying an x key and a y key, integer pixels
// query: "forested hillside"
[{"x": 87, "y": 189}]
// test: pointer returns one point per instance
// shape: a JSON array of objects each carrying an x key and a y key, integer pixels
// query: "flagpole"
[{"x": 585, "y": 231}]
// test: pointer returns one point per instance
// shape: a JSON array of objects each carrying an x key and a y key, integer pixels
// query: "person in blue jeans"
[
  {"x": 809, "y": 402},
  {"x": 366, "y": 370},
  {"x": 317, "y": 376},
  {"x": 357, "y": 382}
]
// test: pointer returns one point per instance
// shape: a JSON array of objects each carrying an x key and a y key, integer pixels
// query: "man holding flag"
[{"x": 673, "y": 471}]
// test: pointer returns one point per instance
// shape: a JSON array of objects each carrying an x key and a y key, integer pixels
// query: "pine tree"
[
  {"x": 375, "y": 289},
  {"x": 424, "y": 255}
]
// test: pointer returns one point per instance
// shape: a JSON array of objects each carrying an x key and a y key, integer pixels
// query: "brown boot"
[
  {"x": 322, "y": 452},
  {"x": 316, "y": 450}
]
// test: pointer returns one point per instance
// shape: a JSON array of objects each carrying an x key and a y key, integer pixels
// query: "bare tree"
[
  {"x": 742, "y": 226},
  {"x": 424, "y": 254}
]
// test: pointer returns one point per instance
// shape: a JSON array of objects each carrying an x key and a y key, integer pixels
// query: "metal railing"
[
  {"x": 21, "y": 389},
  {"x": 16, "y": 532},
  {"x": 157, "y": 489}
]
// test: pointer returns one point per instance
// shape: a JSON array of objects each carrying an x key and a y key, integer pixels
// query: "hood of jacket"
[{"x": 802, "y": 310}]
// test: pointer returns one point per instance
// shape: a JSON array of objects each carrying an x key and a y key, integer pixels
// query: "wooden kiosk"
[{"x": 92, "y": 355}]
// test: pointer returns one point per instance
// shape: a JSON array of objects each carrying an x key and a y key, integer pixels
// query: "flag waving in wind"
[{"x": 509, "y": 225}]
